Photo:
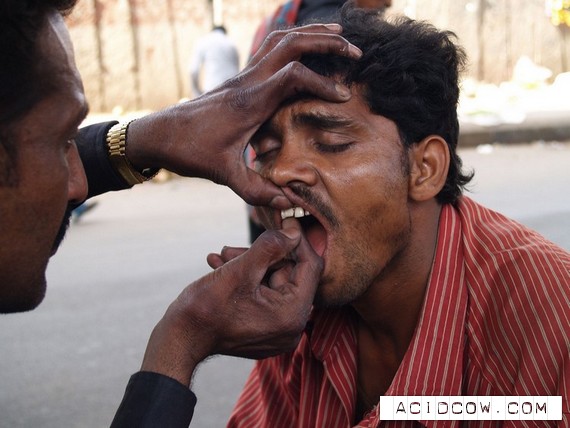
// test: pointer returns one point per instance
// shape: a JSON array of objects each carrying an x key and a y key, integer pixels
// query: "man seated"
[{"x": 424, "y": 292}]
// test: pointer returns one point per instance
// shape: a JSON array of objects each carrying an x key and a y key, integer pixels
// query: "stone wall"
[{"x": 134, "y": 54}]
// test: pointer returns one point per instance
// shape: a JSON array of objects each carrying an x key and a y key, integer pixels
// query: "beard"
[{"x": 62, "y": 229}]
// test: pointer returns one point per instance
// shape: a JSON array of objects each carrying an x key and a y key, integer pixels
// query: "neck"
[{"x": 389, "y": 310}]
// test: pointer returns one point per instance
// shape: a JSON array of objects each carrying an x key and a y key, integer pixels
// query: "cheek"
[
  {"x": 374, "y": 204},
  {"x": 45, "y": 180}
]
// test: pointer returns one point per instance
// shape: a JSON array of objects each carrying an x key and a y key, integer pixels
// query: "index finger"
[
  {"x": 302, "y": 280},
  {"x": 268, "y": 250},
  {"x": 294, "y": 44},
  {"x": 273, "y": 38},
  {"x": 306, "y": 274}
]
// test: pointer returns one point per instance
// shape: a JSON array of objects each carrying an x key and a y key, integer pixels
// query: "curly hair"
[
  {"x": 24, "y": 72},
  {"x": 410, "y": 74}
]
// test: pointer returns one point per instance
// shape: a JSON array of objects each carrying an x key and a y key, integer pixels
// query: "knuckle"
[
  {"x": 290, "y": 41},
  {"x": 240, "y": 100},
  {"x": 292, "y": 73},
  {"x": 275, "y": 37},
  {"x": 290, "y": 37},
  {"x": 271, "y": 240},
  {"x": 296, "y": 68}
]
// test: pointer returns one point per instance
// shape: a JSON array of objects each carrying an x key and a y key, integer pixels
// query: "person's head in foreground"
[
  {"x": 373, "y": 172},
  {"x": 41, "y": 106}
]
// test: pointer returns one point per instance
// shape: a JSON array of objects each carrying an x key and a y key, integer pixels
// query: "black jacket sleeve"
[
  {"x": 152, "y": 400},
  {"x": 92, "y": 145}
]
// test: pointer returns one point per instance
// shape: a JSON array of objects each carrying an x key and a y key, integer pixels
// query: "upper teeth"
[{"x": 296, "y": 212}]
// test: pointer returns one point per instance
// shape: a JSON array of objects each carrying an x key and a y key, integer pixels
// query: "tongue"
[{"x": 317, "y": 237}]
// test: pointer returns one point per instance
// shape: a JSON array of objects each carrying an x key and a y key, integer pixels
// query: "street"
[{"x": 67, "y": 363}]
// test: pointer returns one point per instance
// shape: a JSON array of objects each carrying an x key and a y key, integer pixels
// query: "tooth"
[
  {"x": 287, "y": 213},
  {"x": 307, "y": 212},
  {"x": 299, "y": 212}
]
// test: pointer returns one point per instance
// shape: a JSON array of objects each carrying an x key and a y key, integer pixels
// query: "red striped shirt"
[{"x": 495, "y": 321}]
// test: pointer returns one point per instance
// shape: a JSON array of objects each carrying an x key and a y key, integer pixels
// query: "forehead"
[
  {"x": 355, "y": 109},
  {"x": 56, "y": 45},
  {"x": 353, "y": 115},
  {"x": 65, "y": 105}
]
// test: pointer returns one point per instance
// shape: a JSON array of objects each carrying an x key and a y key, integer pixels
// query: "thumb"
[
  {"x": 272, "y": 247},
  {"x": 255, "y": 189}
]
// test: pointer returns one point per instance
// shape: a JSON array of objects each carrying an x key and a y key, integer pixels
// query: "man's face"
[
  {"x": 50, "y": 175},
  {"x": 347, "y": 168}
]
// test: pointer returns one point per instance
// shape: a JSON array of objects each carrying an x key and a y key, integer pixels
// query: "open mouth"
[{"x": 312, "y": 228}]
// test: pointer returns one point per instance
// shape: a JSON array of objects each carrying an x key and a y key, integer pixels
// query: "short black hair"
[
  {"x": 409, "y": 71},
  {"x": 24, "y": 72}
]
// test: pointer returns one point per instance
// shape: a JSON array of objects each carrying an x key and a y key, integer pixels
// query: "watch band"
[{"x": 116, "y": 144}]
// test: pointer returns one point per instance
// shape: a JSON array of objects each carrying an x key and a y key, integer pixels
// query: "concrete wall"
[{"x": 134, "y": 54}]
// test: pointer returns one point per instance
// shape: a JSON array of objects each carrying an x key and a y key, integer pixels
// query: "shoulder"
[
  {"x": 518, "y": 290},
  {"x": 501, "y": 249}
]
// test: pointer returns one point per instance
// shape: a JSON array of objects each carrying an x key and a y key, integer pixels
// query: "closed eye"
[
  {"x": 263, "y": 156},
  {"x": 333, "y": 148},
  {"x": 264, "y": 147}
]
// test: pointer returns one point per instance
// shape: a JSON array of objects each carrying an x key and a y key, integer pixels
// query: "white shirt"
[{"x": 216, "y": 58}]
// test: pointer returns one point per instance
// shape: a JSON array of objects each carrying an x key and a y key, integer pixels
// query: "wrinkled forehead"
[
  {"x": 314, "y": 114},
  {"x": 310, "y": 105}
]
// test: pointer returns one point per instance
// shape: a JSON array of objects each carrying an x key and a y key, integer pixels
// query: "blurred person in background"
[
  {"x": 299, "y": 12},
  {"x": 215, "y": 60}
]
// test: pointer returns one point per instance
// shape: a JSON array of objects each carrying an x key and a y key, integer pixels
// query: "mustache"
[
  {"x": 63, "y": 228},
  {"x": 314, "y": 200}
]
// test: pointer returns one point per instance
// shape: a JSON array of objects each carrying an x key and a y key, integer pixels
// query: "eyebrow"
[
  {"x": 310, "y": 119},
  {"x": 323, "y": 122}
]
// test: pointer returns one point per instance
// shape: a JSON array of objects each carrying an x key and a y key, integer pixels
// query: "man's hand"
[
  {"x": 254, "y": 304},
  {"x": 206, "y": 137}
]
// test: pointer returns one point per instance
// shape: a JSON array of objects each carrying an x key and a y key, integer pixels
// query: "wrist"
[
  {"x": 174, "y": 349},
  {"x": 117, "y": 143}
]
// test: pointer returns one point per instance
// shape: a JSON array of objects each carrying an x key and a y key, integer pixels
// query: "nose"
[
  {"x": 77, "y": 185},
  {"x": 292, "y": 164}
]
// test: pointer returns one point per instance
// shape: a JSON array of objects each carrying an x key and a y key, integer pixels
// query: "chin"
[
  {"x": 329, "y": 300},
  {"x": 22, "y": 298}
]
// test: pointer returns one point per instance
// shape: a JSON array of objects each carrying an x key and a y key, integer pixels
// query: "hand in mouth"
[{"x": 312, "y": 228}]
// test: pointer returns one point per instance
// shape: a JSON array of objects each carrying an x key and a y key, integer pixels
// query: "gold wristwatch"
[{"x": 116, "y": 144}]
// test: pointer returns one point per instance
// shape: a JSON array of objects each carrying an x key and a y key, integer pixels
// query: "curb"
[{"x": 544, "y": 125}]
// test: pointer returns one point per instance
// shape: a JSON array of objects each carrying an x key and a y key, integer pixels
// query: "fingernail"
[
  {"x": 334, "y": 27},
  {"x": 354, "y": 50},
  {"x": 342, "y": 90}
]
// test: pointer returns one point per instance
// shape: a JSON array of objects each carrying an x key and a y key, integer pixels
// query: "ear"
[{"x": 429, "y": 164}]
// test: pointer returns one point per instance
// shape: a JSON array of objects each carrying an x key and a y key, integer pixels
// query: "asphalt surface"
[{"x": 67, "y": 363}]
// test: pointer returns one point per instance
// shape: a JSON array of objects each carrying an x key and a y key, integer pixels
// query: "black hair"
[
  {"x": 409, "y": 72},
  {"x": 24, "y": 72}
]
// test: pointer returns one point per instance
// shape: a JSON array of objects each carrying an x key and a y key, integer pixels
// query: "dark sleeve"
[
  {"x": 92, "y": 145},
  {"x": 152, "y": 400}
]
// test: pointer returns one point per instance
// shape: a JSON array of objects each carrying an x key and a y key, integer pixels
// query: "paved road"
[{"x": 67, "y": 363}]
